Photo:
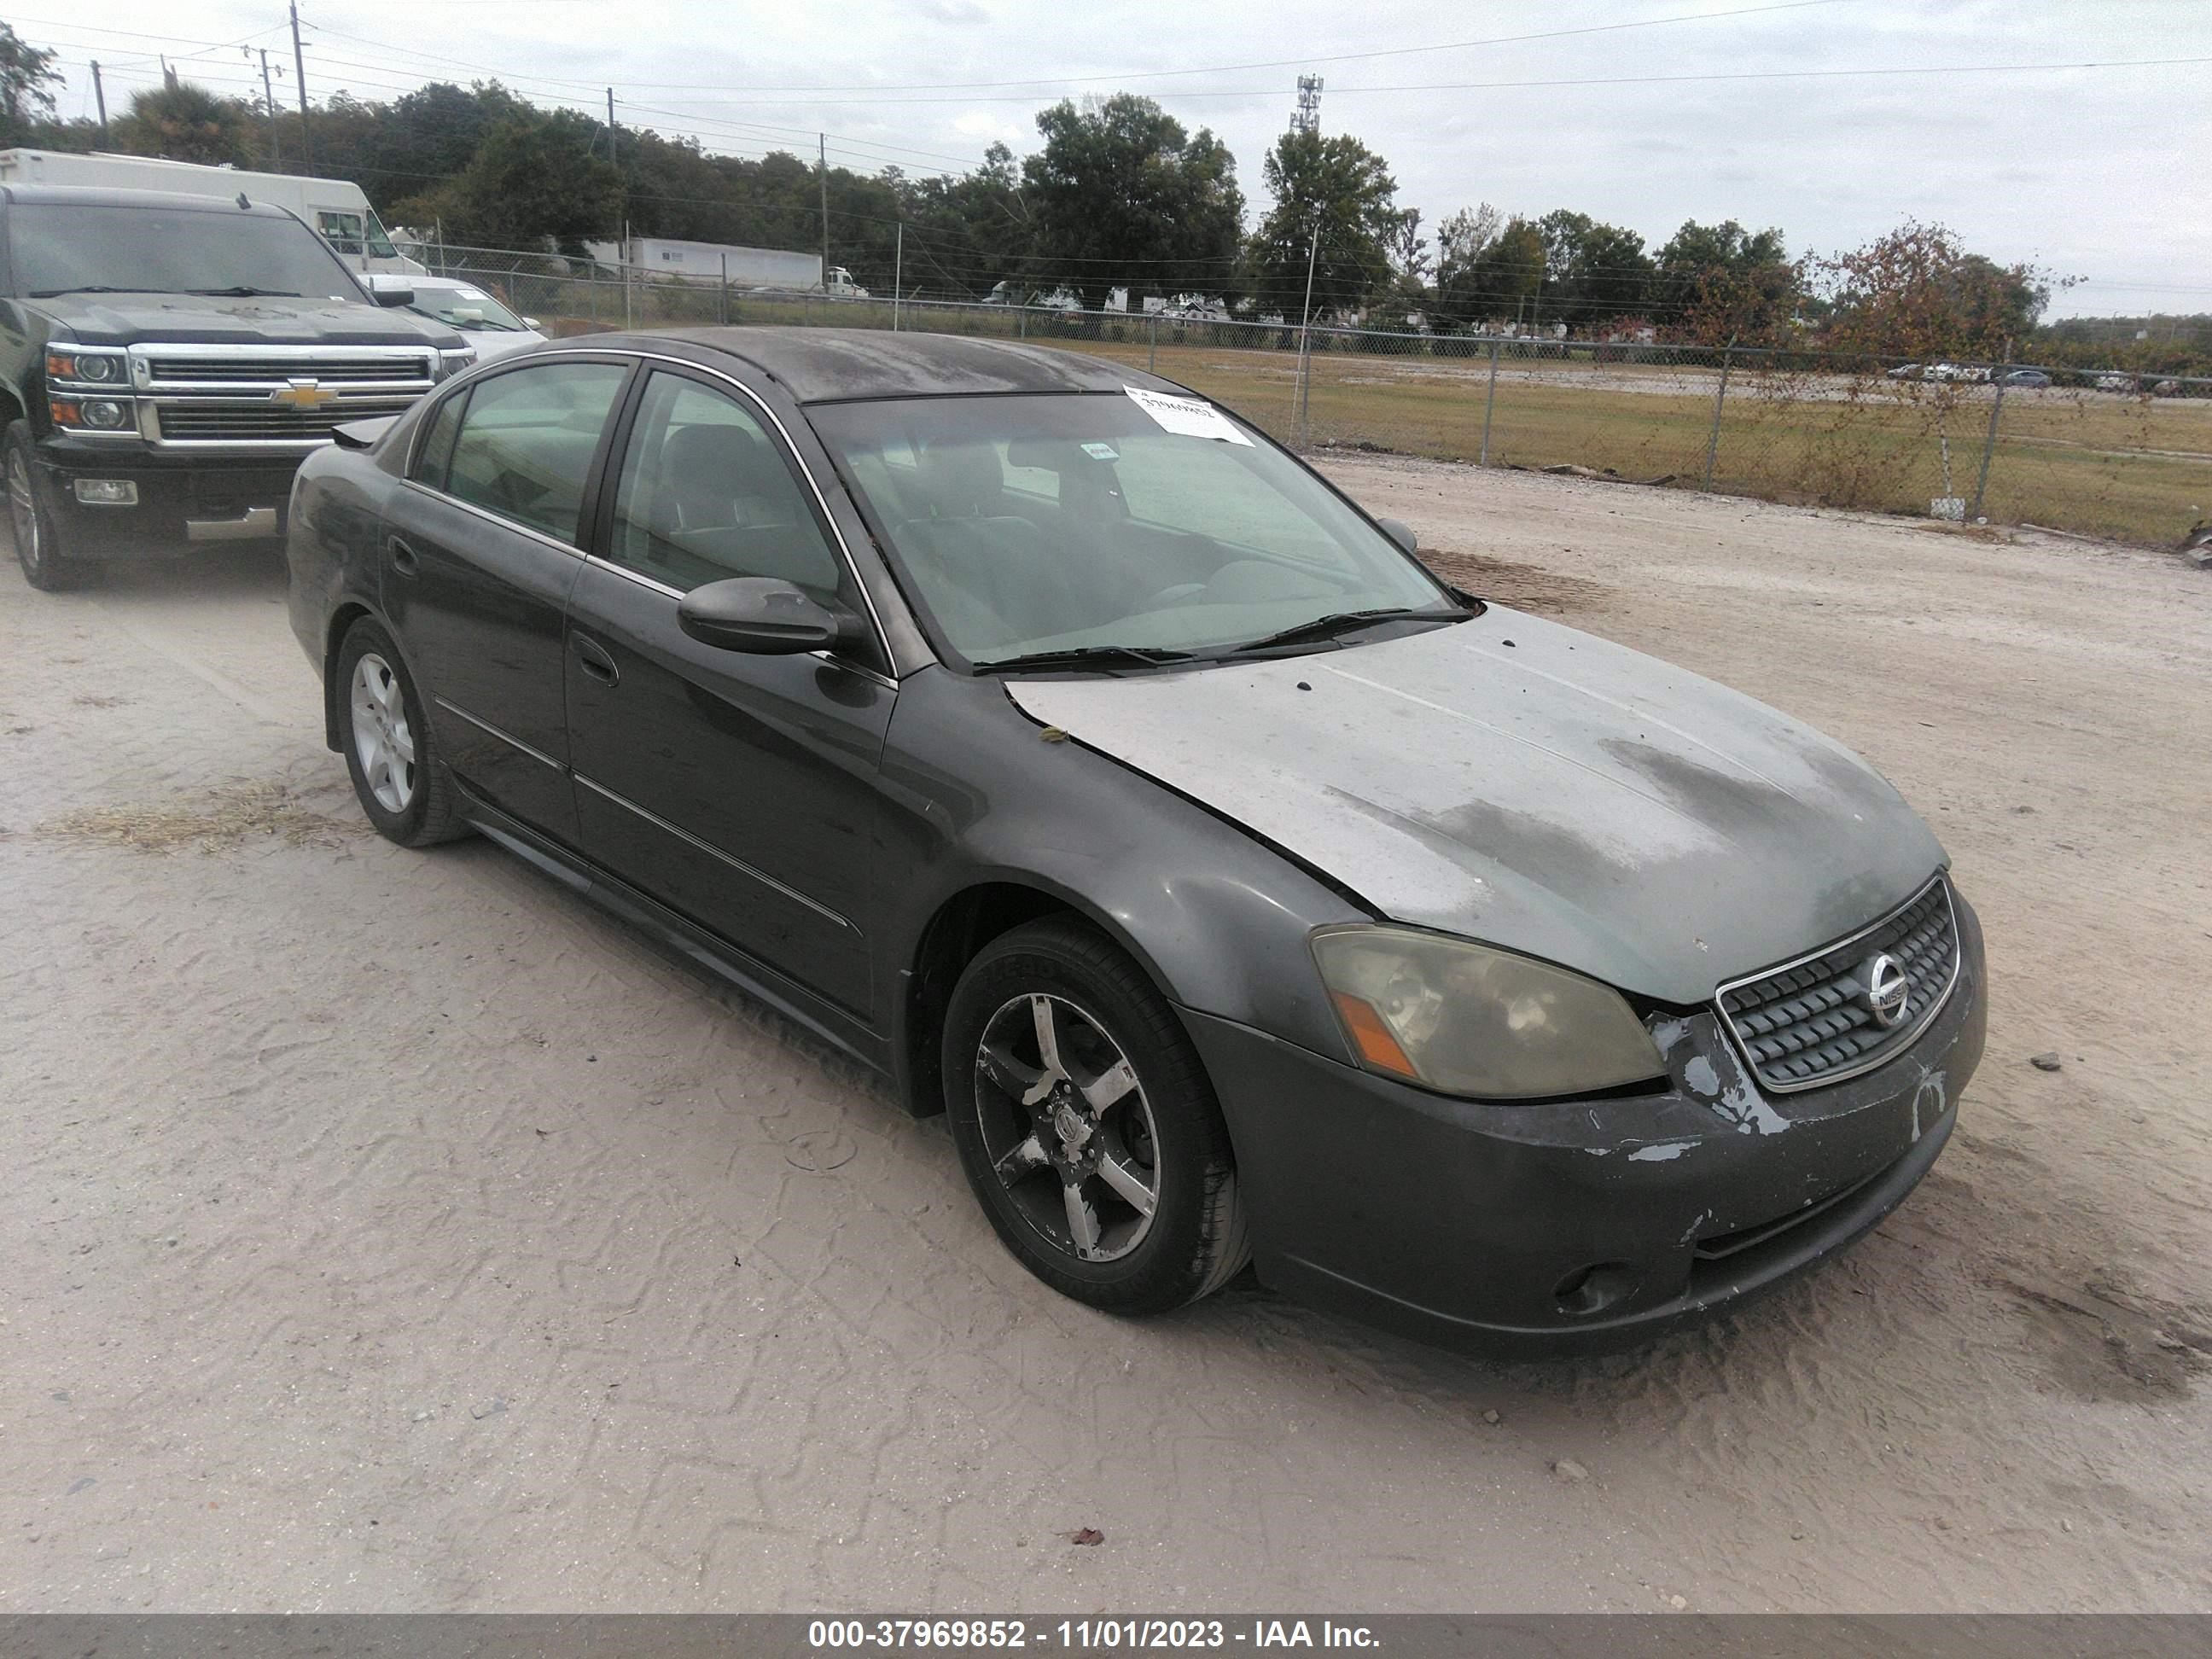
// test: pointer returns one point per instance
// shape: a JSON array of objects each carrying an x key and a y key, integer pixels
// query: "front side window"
[
  {"x": 525, "y": 443},
  {"x": 342, "y": 230},
  {"x": 1044, "y": 523},
  {"x": 706, "y": 493}
]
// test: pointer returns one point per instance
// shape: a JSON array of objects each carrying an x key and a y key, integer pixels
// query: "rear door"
[
  {"x": 480, "y": 551},
  {"x": 743, "y": 792}
]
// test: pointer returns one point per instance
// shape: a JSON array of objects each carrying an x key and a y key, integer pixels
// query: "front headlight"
[
  {"x": 1465, "y": 1019},
  {"x": 452, "y": 360}
]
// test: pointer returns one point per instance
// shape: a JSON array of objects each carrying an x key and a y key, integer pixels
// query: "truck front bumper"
[{"x": 174, "y": 504}]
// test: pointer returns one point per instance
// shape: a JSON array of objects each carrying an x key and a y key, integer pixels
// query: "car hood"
[
  {"x": 197, "y": 319},
  {"x": 1510, "y": 779}
]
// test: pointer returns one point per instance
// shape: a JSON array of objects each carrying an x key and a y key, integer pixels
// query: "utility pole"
[
  {"x": 622, "y": 213},
  {"x": 100, "y": 97},
  {"x": 269, "y": 113},
  {"x": 822, "y": 171},
  {"x": 1305, "y": 335},
  {"x": 898, "y": 274},
  {"x": 299, "y": 68}
]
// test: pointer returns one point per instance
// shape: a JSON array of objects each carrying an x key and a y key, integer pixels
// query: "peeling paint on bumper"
[{"x": 1468, "y": 1225}]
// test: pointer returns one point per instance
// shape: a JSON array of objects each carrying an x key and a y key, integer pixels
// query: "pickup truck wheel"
[
  {"x": 390, "y": 752},
  {"x": 47, "y": 565}
]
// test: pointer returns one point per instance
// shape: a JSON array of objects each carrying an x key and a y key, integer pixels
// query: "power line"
[{"x": 1559, "y": 81}]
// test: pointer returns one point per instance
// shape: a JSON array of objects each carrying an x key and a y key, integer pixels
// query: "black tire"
[
  {"x": 428, "y": 808},
  {"x": 41, "y": 546},
  {"x": 1195, "y": 1239}
]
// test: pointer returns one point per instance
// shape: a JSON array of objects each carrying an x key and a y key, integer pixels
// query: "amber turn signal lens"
[
  {"x": 1377, "y": 1045},
  {"x": 65, "y": 413}
]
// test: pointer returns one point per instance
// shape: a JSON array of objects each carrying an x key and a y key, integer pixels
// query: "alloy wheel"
[
  {"x": 382, "y": 741},
  {"x": 22, "y": 511},
  {"x": 1067, "y": 1127}
]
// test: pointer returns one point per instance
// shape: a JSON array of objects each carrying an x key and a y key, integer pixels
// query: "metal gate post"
[
  {"x": 1990, "y": 443},
  {"x": 1490, "y": 403},
  {"x": 1153, "y": 352},
  {"x": 1720, "y": 397}
]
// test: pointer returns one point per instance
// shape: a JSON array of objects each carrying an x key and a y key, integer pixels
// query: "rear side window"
[
  {"x": 525, "y": 443},
  {"x": 437, "y": 450}
]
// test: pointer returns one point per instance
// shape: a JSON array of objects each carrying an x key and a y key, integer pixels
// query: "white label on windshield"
[
  {"x": 1101, "y": 451},
  {"x": 1187, "y": 415}
]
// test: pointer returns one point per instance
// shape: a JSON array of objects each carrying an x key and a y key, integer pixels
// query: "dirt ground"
[{"x": 389, "y": 1231}]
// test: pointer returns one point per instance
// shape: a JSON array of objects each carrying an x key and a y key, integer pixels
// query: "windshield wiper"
[
  {"x": 1088, "y": 656},
  {"x": 244, "y": 291},
  {"x": 93, "y": 288},
  {"x": 1328, "y": 627}
]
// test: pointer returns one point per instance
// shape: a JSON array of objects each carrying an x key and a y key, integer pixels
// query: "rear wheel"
[
  {"x": 389, "y": 749},
  {"x": 1086, "y": 1124},
  {"x": 48, "y": 565}
]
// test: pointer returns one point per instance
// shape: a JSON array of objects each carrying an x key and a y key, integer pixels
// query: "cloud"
[{"x": 951, "y": 11}]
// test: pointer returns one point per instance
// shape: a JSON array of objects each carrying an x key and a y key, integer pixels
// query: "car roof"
[
  {"x": 829, "y": 365},
  {"x": 86, "y": 196}
]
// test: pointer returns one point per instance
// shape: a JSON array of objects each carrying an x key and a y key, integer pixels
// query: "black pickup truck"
[{"x": 166, "y": 360}]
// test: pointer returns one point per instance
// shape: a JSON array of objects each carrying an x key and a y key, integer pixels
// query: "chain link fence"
[{"x": 2093, "y": 453}]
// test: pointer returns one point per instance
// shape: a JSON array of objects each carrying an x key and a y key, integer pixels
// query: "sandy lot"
[{"x": 388, "y": 1230}]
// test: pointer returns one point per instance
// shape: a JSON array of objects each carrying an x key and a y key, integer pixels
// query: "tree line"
[{"x": 1118, "y": 194}]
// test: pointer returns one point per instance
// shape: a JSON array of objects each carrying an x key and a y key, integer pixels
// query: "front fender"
[{"x": 1218, "y": 919}]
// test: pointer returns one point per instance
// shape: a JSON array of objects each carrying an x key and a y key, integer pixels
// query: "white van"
[{"x": 333, "y": 206}]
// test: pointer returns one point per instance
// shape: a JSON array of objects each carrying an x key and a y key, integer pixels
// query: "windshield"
[
  {"x": 1027, "y": 525},
  {"x": 464, "y": 307},
  {"x": 59, "y": 247}
]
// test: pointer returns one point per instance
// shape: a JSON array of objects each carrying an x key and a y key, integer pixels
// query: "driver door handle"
[
  {"x": 403, "y": 560},
  {"x": 593, "y": 660}
]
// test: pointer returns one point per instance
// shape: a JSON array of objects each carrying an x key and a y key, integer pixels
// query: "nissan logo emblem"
[{"x": 1886, "y": 991}]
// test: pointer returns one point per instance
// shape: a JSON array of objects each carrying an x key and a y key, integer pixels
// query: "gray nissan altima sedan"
[{"x": 1052, "y": 740}]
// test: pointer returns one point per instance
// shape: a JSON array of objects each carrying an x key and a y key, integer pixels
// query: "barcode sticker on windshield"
[{"x": 1187, "y": 415}]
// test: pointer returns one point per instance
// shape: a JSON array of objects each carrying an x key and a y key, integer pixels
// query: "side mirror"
[
  {"x": 392, "y": 299},
  {"x": 1401, "y": 533},
  {"x": 760, "y": 615}
]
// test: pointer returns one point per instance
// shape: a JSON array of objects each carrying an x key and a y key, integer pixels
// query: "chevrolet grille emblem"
[{"x": 304, "y": 395}]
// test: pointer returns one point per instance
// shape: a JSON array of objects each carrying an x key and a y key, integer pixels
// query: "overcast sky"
[{"x": 2095, "y": 173}]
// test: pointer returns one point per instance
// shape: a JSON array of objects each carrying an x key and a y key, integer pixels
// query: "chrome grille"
[
  {"x": 202, "y": 423},
  {"x": 208, "y": 395},
  {"x": 1805, "y": 1024},
  {"x": 276, "y": 371}
]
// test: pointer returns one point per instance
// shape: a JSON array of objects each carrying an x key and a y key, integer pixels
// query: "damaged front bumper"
[{"x": 1582, "y": 1225}]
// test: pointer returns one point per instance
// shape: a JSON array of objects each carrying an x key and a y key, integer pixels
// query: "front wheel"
[
  {"x": 41, "y": 549},
  {"x": 1086, "y": 1124}
]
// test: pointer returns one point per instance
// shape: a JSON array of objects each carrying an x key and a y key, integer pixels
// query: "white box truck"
[
  {"x": 712, "y": 262},
  {"x": 332, "y": 206}
]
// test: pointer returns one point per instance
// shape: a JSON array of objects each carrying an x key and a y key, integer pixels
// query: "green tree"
[
  {"x": 1596, "y": 274},
  {"x": 1122, "y": 194},
  {"x": 1462, "y": 238},
  {"x": 1722, "y": 282},
  {"x": 181, "y": 122},
  {"x": 1502, "y": 280},
  {"x": 531, "y": 182},
  {"x": 1338, "y": 187},
  {"x": 26, "y": 74}
]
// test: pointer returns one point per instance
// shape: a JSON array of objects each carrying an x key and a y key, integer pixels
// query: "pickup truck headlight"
[
  {"x": 83, "y": 365},
  {"x": 452, "y": 361},
  {"x": 1463, "y": 1019}
]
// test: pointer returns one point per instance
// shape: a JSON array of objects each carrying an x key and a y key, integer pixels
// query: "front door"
[
  {"x": 741, "y": 791},
  {"x": 479, "y": 556}
]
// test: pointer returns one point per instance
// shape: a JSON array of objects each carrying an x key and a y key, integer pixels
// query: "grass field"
[{"x": 2098, "y": 463}]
